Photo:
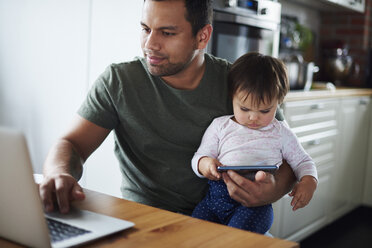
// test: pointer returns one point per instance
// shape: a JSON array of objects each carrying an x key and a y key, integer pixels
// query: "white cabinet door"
[
  {"x": 354, "y": 121},
  {"x": 367, "y": 198},
  {"x": 296, "y": 225},
  {"x": 360, "y": 147},
  {"x": 348, "y": 176}
]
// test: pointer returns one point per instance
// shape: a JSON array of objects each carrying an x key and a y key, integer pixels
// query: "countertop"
[{"x": 315, "y": 94}]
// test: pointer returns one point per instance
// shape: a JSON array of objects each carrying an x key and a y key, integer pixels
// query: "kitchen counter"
[{"x": 325, "y": 93}]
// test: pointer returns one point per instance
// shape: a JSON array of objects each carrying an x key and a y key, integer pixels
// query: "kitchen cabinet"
[
  {"x": 367, "y": 196},
  {"x": 358, "y": 152},
  {"x": 334, "y": 132},
  {"x": 329, "y": 5},
  {"x": 358, "y": 5},
  {"x": 316, "y": 125},
  {"x": 296, "y": 225},
  {"x": 348, "y": 179}
]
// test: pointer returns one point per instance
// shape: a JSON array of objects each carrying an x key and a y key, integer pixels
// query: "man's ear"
[{"x": 204, "y": 35}]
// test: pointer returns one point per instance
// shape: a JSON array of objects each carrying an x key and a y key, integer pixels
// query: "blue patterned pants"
[{"x": 219, "y": 207}]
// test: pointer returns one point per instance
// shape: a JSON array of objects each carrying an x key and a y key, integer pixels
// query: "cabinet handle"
[
  {"x": 263, "y": 11},
  {"x": 313, "y": 142},
  {"x": 317, "y": 106},
  {"x": 363, "y": 102}
]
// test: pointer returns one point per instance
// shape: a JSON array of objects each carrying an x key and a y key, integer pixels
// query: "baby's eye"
[
  {"x": 265, "y": 111},
  {"x": 244, "y": 109}
]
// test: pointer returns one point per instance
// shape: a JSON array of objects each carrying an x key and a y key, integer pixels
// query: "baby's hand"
[
  {"x": 303, "y": 192},
  {"x": 208, "y": 168}
]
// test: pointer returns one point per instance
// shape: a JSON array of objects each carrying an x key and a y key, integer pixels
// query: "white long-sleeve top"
[{"x": 233, "y": 144}]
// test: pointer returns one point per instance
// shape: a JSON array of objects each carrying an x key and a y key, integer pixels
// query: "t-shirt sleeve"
[
  {"x": 207, "y": 148},
  {"x": 99, "y": 106}
]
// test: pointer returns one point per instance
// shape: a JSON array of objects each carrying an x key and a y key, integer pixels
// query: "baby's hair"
[{"x": 263, "y": 77}]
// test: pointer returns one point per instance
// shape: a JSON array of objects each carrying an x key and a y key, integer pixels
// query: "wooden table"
[{"x": 159, "y": 228}]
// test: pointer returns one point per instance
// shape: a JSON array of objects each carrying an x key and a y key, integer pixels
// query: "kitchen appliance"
[
  {"x": 241, "y": 26},
  {"x": 338, "y": 65},
  {"x": 300, "y": 72}
]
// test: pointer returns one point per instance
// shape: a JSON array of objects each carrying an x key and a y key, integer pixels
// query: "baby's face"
[{"x": 246, "y": 112}]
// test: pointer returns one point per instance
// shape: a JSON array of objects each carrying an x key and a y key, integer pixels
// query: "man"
[{"x": 159, "y": 107}]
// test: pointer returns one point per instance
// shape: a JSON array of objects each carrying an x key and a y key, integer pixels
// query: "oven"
[{"x": 240, "y": 26}]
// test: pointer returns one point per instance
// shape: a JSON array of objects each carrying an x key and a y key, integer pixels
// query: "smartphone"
[{"x": 249, "y": 171}]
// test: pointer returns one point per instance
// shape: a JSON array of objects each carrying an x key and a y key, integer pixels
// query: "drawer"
[
  {"x": 321, "y": 146},
  {"x": 310, "y": 112},
  {"x": 309, "y": 106},
  {"x": 322, "y": 151},
  {"x": 317, "y": 139},
  {"x": 313, "y": 128}
]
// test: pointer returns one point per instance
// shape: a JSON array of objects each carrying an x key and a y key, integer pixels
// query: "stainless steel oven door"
[{"x": 234, "y": 35}]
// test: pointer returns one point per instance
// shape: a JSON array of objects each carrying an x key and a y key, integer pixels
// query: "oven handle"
[{"x": 245, "y": 20}]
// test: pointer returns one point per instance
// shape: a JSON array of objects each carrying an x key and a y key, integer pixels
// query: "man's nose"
[{"x": 152, "y": 42}]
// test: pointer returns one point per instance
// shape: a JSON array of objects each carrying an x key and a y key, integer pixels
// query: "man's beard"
[
  {"x": 166, "y": 70},
  {"x": 169, "y": 68}
]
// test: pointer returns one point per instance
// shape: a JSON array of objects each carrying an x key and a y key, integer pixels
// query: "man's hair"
[
  {"x": 262, "y": 77},
  {"x": 198, "y": 12}
]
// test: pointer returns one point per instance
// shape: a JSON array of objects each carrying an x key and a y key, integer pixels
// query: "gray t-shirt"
[{"x": 158, "y": 129}]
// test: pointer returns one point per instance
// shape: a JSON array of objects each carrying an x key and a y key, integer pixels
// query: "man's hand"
[
  {"x": 60, "y": 188},
  {"x": 250, "y": 193},
  {"x": 64, "y": 164},
  {"x": 264, "y": 190}
]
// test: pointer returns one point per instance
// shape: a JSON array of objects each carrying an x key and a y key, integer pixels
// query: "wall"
[
  {"x": 50, "y": 53},
  {"x": 353, "y": 29},
  {"x": 308, "y": 17},
  {"x": 114, "y": 38},
  {"x": 43, "y": 49},
  {"x": 334, "y": 23}
]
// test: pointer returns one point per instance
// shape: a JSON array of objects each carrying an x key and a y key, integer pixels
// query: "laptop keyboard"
[{"x": 59, "y": 231}]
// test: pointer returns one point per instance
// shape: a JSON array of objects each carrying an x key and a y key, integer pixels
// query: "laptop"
[{"x": 22, "y": 218}]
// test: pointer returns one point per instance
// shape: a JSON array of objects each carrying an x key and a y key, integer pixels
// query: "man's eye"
[
  {"x": 146, "y": 30},
  {"x": 168, "y": 34}
]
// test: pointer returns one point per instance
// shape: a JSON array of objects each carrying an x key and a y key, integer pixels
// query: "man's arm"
[
  {"x": 264, "y": 190},
  {"x": 63, "y": 165}
]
